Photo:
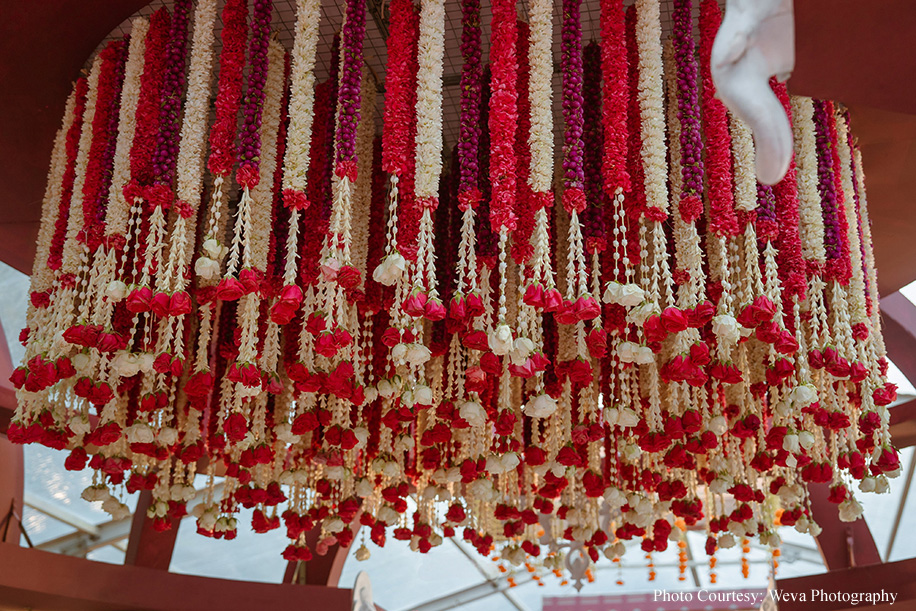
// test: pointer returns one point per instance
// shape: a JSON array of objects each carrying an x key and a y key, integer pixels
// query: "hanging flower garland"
[{"x": 328, "y": 396}]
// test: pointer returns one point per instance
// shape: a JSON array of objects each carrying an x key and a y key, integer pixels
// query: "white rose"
[
  {"x": 881, "y": 485},
  {"x": 116, "y": 290},
  {"x": 207, "y": 268},
  {"x": 631, "y": 451},
  {"x": 285, "y": 433},
  {"x": 80, "y": 361},
  {"x": 718, "y": 425},
  {"x": 95, "y": 493},
  {"x": 140, "y": 432},
  {"x": 399, "y": 352},
  {"x": 168, "y": 436},
  {"x": 725, "y": 327},
  {"x": 614, "y": 497},
  {"x": 453, "y": 475},
  {"x": 627, "y": 417},
  {"x": 867, "y": 484},
  {"x": 644, "y": 355},
  {"x": 335, "y": 473},
  {"x": 386, "y": 388},
  {"x": 501, "y": 340},
  {"x": 850, "y": 510},
  {"x": 362, "y": 553},
  {"x": 638, "y": 315},
  {"x": 628, "y": 352},
  {"x": 473, "y": 412},
  {"x": 146, "y": 362},
  {"x": 364, "y": 488},
  {"x": 718, "y": 486},
  {"x": 418, "y": 354},
  {"x": 631, "y": 295},
  {"x": 481, "y": 489},
  {"x": 541, "y": 406},
  {"x": 79, "y": 425},
  {"x": 521, "y": 350},
  {"x": 214, "y": 249},
  {"x": 126, "y": 364},
  {"x": 790, "y": 443},
  {"x": 726, "y": 541},
  {"x": 388, "y": 515},
  {"x": 362, "y": 436},
  {"x": 423, "y": 395},
  {"x": 371, "y": 394},
  {"x": 334, "y": 525},
  {"x": 390, "y": 269},
  {"x": 805, "y": 440},
  {"x": 803, "y": 395}
]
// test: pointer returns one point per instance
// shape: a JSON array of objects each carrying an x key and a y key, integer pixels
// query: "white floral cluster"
[
  {"x": 302, "y": 95},
  {"x": 42, "y": 276},
  {"x": 431, "y": 49},
  {"x": 651, "y": 102},
  {"x": 190, "y": 162},
  {"x": 72, "y": 248},
  {"x": 540, "y": 92},
  {"x": 809, "y": 199},
  {"x": 362, "y": 196},
  {"x": 745, "y": 173},
  {"x": 856, "y": 290},
  {"x": 118, "y": 207},
  {"x": 258, "y": 242}
]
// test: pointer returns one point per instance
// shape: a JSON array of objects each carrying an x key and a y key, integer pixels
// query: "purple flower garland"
[
  {"x": 469, "y": 129},
  {"x": 166, "y": 154},
  {"x": 351, "y": 46},
  {"x": 593, "y": 229},
  {"x": 250, "y": 138},
  {"x": 571, "y": 68},
  {"x": 688, "y": 112},
  {"x": 826, "y": 186}
]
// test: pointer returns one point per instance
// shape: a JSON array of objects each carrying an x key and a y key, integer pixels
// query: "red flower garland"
[
  {"x": 98, "y": 168},
  {"x": 147, "y": 129},
  {"x": 399, "y": 81},
  {"x": 722, "y": 218},
  {"x": 635, "y": 204},
  {"x": 503, "y": 115},
  {"x": 229, "y": 94},
  {"x": 56, "y": 250},
  {"x": 616, "y": 90},
  {"x": 524, "y": 206},
  {"x": 792, "y": 270},
  {"x": 841, "y": 267}
]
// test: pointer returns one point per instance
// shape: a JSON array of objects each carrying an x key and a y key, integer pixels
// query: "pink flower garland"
[
  {"x": 348, "y": 99},
  {"x": 229, "y": 93},
  {"x": 172, "y": 96},
  {"x": 722, "y": 218},
  {"x": 571, "y": 68},
  {"x": 839, "y": 266},
  {"x": 503, "y": 115},
  {"x": 56, "y": 250}
]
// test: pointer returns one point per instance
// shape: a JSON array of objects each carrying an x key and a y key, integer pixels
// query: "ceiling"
[{"x": 851, "y": 51}]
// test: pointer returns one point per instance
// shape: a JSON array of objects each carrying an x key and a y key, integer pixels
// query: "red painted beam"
[
  {"x": 903, "y": 424},
  {"x": 148, "y": 547},
  {"x": 7, "y": 392},
  {"x": 897, "y": 578},
  {"x": 898, "y": 318},
  {"x": 44, "y": 581},
  {"x": 11, "y": 486},
  {"x": 842, "y": 544}
]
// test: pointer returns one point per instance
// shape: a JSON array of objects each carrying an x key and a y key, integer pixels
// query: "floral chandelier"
[{"x": 636, "y": 342}]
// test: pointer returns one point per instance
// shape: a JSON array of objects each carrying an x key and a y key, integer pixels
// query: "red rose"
[{"x": 229, "y": 289}]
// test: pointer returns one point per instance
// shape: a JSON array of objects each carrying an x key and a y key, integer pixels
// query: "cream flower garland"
[
  {"x": 431, "y": 45},
  {"x": 743, "y": 155},
  {"x": 362, "y": 196},
  {"x": 72, "y": 247},
  {"x": 192, "y": 148},
  {"x": 540, "y": 92},
  {"x": 809, "y": 200},
  {"x": 42, "y": 275},
  {"x": 302, "y": 95},
  {"x": 856, "y": 292},
  {"x": 118, "y": 207},
  {"x": 651, "y": 102}
]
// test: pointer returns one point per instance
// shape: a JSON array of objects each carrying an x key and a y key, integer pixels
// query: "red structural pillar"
[{"x": 148, "y": 547}]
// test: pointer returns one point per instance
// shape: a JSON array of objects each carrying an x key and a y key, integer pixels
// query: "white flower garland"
[
  {"x": 856, "y": 290},
  {"x": 809, "y": 199},
  {"x": 745, "y": 173},
  {"x": 651, "y": 102},
  {"x": 42, "y": 275},
  {"x": 118, "y": 209},
  {"x": 72, "y": 247},
  {"x": 365, "y": 133},
  {"x": 540, "y": 92},
  {"x": 302, "y": 95},
  {"x": 431, "y": 49}
]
